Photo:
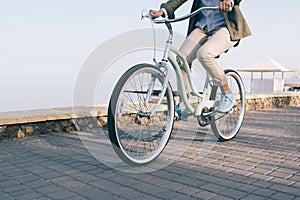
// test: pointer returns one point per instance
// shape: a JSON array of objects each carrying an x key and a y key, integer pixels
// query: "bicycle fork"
[{"x": 166, "y": 75}]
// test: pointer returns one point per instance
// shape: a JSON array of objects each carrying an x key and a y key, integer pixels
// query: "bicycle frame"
[
  {"x": 168, "y": 58},
  {"x": 187, "y": 103}
]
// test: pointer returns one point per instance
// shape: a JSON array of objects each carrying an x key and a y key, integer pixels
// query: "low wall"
[
  {"x": 20, "y": 124},
  {"x": 272, "y": 100}
]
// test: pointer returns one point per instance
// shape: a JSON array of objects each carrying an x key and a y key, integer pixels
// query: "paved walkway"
[{"x": 262, "y": 162}]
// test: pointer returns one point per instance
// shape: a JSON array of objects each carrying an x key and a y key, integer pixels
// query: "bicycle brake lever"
[{"x": 144, "y": 14}]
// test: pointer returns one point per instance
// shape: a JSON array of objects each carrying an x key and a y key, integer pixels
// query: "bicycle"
[{"x": 141, "y": 109}]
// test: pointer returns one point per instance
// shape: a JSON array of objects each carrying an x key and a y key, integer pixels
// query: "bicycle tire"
[
  {"x": 226, "y": 127},
  {"x": 137, "y": 139}
]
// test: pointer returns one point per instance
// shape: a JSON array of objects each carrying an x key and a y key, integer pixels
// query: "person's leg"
[
  {"x": 218, "y": 43},
  {"x": 189, "y": 49}
]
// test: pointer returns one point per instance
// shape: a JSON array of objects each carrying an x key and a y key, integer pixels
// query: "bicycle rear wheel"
[
  {"x": 137, "y": 137},
  {"x": 226, "y": 127}
]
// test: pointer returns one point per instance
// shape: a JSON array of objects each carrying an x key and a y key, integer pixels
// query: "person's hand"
[
  {"x": 225, "y": 5},
  {"x": 156, "y": 14}
]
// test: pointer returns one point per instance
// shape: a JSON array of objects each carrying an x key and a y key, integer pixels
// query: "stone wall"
[
  {"x": 89, "y": 122},
  {"x": 267, "y": 102},
  {"x": 55, "y": 126}
]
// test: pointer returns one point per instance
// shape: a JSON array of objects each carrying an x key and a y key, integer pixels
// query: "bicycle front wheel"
[
  {"x": 226, "y": 127},
  {"x": 137, "y": 136}
]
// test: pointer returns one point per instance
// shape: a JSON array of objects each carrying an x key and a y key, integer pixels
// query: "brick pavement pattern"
[{"x": 262, "y": 162}]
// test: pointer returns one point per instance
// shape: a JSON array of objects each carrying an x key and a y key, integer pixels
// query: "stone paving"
[{"x": 262, "y": 162}]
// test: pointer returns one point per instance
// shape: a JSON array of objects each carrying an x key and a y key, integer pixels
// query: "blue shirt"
[{"x": 210, "y": 19}]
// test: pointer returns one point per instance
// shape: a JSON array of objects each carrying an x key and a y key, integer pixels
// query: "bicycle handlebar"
[{"x": 164, "y": 21}]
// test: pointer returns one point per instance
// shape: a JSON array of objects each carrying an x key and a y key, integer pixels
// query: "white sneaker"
[
  {"x": 179, "y": 113},
  {"x": 226, "y": 103}
]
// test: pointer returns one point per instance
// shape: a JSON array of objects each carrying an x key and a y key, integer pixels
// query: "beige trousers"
[{"x": 206, "y": 46}]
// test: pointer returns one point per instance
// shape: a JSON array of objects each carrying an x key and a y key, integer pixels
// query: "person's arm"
[
  {"x": 171, "y": 6},
  {"x": 167, "y": 9}
]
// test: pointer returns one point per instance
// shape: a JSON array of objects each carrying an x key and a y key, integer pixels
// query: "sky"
[{"x": 44, "y": 43}]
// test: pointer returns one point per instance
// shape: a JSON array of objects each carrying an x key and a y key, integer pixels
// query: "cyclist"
[{"x": 210, "y": 34}]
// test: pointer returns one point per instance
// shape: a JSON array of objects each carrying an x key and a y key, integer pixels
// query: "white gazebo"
[{"x": 266, "y": 85}]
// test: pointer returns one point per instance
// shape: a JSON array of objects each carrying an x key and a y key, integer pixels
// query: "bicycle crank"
[{"x": 205, "y": 118}]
